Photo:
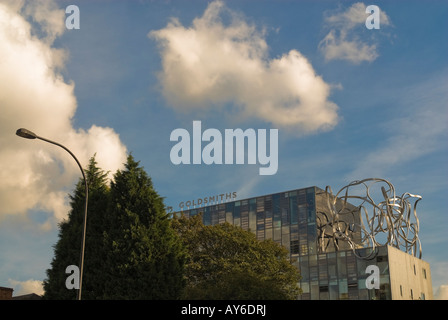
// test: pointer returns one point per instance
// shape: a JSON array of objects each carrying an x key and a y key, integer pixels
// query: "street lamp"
[{"x": 24, "y": 133}]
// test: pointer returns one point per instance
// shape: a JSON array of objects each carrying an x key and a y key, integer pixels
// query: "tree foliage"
[
  {"x": 144, "y": 255},
  {"x": 67, "y": 250},
  {"x": 131, "y": 250},
  {"x": 227, "y": 262}
]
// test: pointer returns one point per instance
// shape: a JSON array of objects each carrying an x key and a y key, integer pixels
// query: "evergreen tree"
[
  {"x": 67, "y": 250},
  {"x": 145, "y": 257}
]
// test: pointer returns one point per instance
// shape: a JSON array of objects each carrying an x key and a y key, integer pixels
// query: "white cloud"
[
  {"x": 210, "y": 64},
  {"x": 343, "y": 41},
  {"x": 26, "y": 287},
  {"x": 33, "y": 95},
  {"x": 441, "y": 293},
  {"x": 439, "y": 278}
]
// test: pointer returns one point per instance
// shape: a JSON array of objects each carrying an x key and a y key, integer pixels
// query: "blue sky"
[{"x": 374, "y": 104}]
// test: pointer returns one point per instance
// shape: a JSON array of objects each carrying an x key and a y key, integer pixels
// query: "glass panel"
[
  {"x": 260, "y": 204},
  {"x": 214, "y": 217},
  {"x": 323, "y": 292},
  {"x": 245, "y": 220},
  {"x": 276, "y": 209},
  {"x": 351, "y": 265},
  {"x": 313, "y": 273},
  {"x": 353, "y": 291},
  {"x": 293, "y": 209},
  {"x": 303, "y": 244},
  {"x": 304, "y": 249},
  {"x": 268, "y": 219},
  {"x": 313, "y": 260},
  {"x": 268, "y": 233},
  {"x": 252, "y": 220},
  {"x": 301, "y": 196},
  {"x": 277, "y": 220},
  {"x": 286, "y": 243},
  {"x": 342, "y": 265},
  {"x": 260, "y": 225},
  {"x": 323, "y": 271},
  {"x": 362, "y": 284},
  {"x": 314, "y": 290},
  {"x": 237, "y": 222},
  {"x": 312, "y": 238},
  {"x": 294, "y": 233},
  {"x": 305, "y": 296},
  {"x": 206, "y": 218},
  {"x": 302, "y": 213},
  {"x": 277, "y": 234},
  {"x": 305, "y": 286},
  {"x": 294, "y": 248},
  {"x": 236, "y": 210},
  {"x": 222, "y": 213},
  {"x": 312, "y": 232},
  {"x": 304, "y": 270},
  {"x": 230, "y": 206},
  {"x": 385, "y": 292},
  {"x": 252, "y": 204},
  {"x": 363, "y": 294},
  {"x": 343, "y": 289},
  {"x": 285, "y": 217},
  {"x": 311, "y": 214},
  {"x": 333, "y": 290},
  {"x": 229, "y": 217},
  {"x": 310, "y": 196},
  {"x": 332, "y": 271},
  {"x": 285, "y": 237}
]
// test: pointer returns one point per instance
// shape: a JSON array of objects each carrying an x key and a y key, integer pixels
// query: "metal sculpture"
[{"x": 394, "y": 218}]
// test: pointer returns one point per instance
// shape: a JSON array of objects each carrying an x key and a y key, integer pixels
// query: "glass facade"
[
  {"x": 289, "y": 218},
  {"x": 341, "y": 275}
]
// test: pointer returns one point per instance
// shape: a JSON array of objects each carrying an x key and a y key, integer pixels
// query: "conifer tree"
[
  {"x": 145, "y": 257},
  {"x": 67, "y": 250}
]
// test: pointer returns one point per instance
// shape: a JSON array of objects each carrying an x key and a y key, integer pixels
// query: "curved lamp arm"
[{"x": 24, "y": 133}]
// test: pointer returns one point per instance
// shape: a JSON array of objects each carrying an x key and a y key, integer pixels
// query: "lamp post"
[{"x": 24, "y": 133}]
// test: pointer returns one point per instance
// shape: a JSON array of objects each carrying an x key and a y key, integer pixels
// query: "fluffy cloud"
[
  {"x": 442, "y": 293},
  {"x": 211, "y": 64},
  {"x": 343, "y": 41},
  {"x": 26, "y": 287},
  {"x": 33, "y": 95}
]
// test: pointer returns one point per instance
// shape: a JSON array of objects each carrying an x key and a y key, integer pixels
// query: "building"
[
  {"x": 324, "y": 236},
  {"x": 6, "y": 293}
]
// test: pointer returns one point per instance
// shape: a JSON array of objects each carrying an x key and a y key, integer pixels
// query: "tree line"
[{"x": 136, "y": 250}]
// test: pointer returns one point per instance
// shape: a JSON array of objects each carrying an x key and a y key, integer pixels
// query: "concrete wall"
[{"x": 410, "y": 277}]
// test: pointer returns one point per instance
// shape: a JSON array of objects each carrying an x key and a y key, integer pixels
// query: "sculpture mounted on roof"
[{"x": 352, "y": 217}]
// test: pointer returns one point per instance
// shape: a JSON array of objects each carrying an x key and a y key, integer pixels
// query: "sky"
[{"x": 349, "y": 100}]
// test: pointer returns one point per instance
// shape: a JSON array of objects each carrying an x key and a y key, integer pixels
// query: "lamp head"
[{"x": 24, "y": 133}]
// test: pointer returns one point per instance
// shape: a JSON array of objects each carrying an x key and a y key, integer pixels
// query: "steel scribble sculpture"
[{"x": 394, "y": 219}]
